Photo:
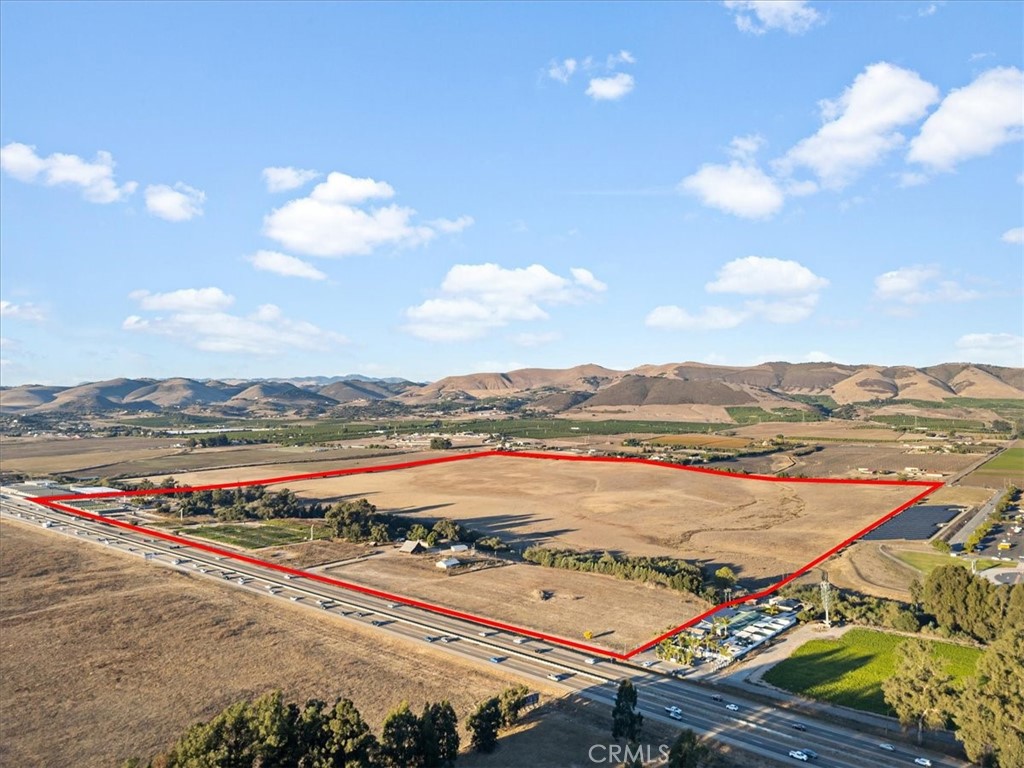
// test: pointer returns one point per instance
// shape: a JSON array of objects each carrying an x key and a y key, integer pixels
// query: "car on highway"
[
  {"x": 591, "y": 660},
  {"x": 518, "y": 640},
  {"x": 809, "y": 752},
  {"x": 295, "y": 598},
  {"x": 430, "y": 638},
  {"x": 798, "y": 755},
  {"x": 715, "y": 697},
  {"x": 381, "y": 623},
  {"x": 922, "y": 761},
  {"x": 887, "y": 747},
  {"x": 799, "y": 726},
  {"x": 674, "y": 712},
  {"x": 448, "y": 639},
  {"x": 556, "y": 677},
  {"x": 647, "y": 664},
  {"x": 487, "y": 633},
  {"x": 732, "y": 707},
  {"x": 496, "y": 659}
]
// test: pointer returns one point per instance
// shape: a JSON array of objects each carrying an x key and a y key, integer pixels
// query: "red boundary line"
[{"x": 53, "y": 503}]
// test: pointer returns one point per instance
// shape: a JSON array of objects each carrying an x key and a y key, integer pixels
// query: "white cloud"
[
  {"x": 563, "y": 71},
  {"x": 27, "y": 311},
  {"x": 860, "y": 126},
  {"x": 744, "y": 148},
  {"x": 283, "y": 264},
  {"x": 184, "y": 300},
  {"x": 759, "y": 16},
  {"x": 452, "y": 226},
  {"x": 972, "y": 121},
  {"x": 178, "y": 203},
  {"x": 1013, "y": 236},
  {"x": 739, "y": 189},
  {"x": 622, "y": 57},
  {"x": 477, "y": 298},
  {"x": 199, "y": 321},
  {"x": 610, "y": 88},
  {"x": 762, "y": 276},
  {"x": 534, "y": 339},
  {"x": 994, "y": 348},
  {"x": 675, "y": 318},
  {"x": 283, "y": 179},
  {"x": 96, "y": 179},
  {"x": 928, "y": 10},
  {"x": 911, "y": 179},
  {"x": 329, "y": 223},
  {"x": 920, "y": 285},
  {"x": 342, "y": 188},
  {"x": 793, "y": 289}
]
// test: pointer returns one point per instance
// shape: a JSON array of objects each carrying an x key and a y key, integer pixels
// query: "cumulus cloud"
[
  {"x": 995, "y": 348},
  {"x": 95, "y": 179},
  {"x": 759, "y": 16},
  {"x": 786, "y": 291},
  {"x": 27, "y": 311},
  {"x": 972, "y": 121},
  {"x": 283, "y": 264},
  {"x": 610, "y": 88},
  {"x": 283, "y": 179},
  {"x": 184, "y": 300},
  {"x": 562, "y": 71},
  {"x": 335, "y": 220},
  {"x": 477, "y": 298},
  {"x": 740, "y": 189},
  {"x": 920, "y": 284},
  {"x": 178, "y": 203},
  {"x": 197, "y": 319},
  {"x": 1013, "y": 236},
  {"x": 860, "y": 127},
  {"x": 760, "y": 275}
]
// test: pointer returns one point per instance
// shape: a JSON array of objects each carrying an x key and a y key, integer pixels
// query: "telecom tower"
[{"x": 826, "y": 597}]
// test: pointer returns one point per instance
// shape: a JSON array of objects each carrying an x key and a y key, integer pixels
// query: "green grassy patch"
[
  {"x": 849, "y": 671},
  {"x": 926, "y": 422},
  {"x": 926, "y": 562},
  {"x": 257, "y": 535},
  {"x": 746, "y": 414},
  {"x": 1010, "y": 460}
]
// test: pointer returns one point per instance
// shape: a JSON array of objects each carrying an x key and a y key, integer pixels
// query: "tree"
[
  {"x": 726, "y": 575},
  {"x": 348, "y": 741},
  {"x": 511, "y": 704},
  {"x": 439, "y": 732},
  {"x": 440, "y": 443},
  {"x": 687, "y": 751},
  {"x": 919, "y": 690},
  {"x": 627, "y": 722},
  {"x": 483, "y": 725},
  {"x": 401, "y": 740},
  {"x": 990, "y": 714}
]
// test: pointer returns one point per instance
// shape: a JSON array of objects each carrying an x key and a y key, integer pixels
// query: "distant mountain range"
[{"x": 679, "y": 391}]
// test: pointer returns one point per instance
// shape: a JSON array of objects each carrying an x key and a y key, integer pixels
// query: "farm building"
[
  {"x": 458, "y": 548},
  {"x": 447, "y": 563},
  {"x": 413, "y": 547}
]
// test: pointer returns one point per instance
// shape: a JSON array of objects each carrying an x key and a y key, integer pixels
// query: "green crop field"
[
  {"x": 926, "y": 562},
  {"x": 849, "y": 671},
  {"x": 904, "y": 420},
  {"x": 254, "y": 536},
  {"x": 745, "y": 414},
  {"x": 1009, "y": 461}
]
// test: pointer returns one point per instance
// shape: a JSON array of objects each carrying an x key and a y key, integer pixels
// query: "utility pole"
[{"x": 826, "y": 597}]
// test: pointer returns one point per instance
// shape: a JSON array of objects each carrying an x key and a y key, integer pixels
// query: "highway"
[{"x": 753, "y": 727}]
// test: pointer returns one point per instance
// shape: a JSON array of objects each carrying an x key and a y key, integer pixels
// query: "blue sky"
[{"x": 418, "y": 190}]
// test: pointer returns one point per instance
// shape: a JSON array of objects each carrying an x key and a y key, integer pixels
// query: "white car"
[
  {"x": 732, "y": 707},
  {"x": 796, "y": 753},
  {"x": 887, "y": 747},
  {"x": 648, "y": 663},
  {"x": 922, "y": 761}
]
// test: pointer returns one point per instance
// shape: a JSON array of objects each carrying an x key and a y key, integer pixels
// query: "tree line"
[
  {"x": 670, "y": 572},
  {"x": 272, "y": 732}
]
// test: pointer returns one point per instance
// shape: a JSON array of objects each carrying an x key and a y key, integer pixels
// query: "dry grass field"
[
  {"x": 68, "y": 455},
  {"x": 701, "y": 441},
  {"x": 821, "y": 430},
  {"x": 867, "y": 567},
  {"x": 621, "y": 614},
  {"x": 763, "y": 530},
  {"x": 845, "y": 460},
  {"x": 103, "y": 658}
]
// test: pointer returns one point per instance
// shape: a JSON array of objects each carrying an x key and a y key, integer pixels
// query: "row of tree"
[
  {"x": 273, "y": 733},
  {"x": 960, "y": 603},
  {"x": 668, "y": 571}
]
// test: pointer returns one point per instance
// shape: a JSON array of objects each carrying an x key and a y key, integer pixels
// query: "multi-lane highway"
[{"x": 741, "y": 723}]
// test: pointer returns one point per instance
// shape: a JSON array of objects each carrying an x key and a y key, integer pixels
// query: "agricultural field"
[
  {"x": 849, "y": 670},
  {"x": 255, "y": 535},
  {"x": 761, "y": 528},
  {"x": 837, "y": 430},
  {"x": 701, "y": 441},
  {"x": 1007, "y": 467}
]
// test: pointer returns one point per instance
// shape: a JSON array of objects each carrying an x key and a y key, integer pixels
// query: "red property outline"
[{"x": 53, "y": 503}]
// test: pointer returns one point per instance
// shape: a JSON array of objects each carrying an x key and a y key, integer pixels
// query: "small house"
[
  {"x": 448, "y": 563},
  {"x": 413, "y": 547}
]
